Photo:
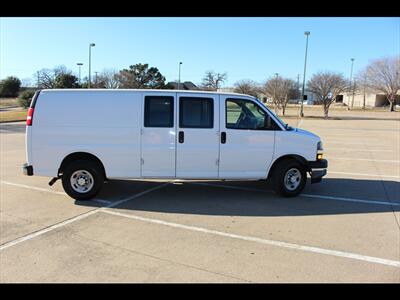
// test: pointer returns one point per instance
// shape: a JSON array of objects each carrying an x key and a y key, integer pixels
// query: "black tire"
[
  {"x": 89, "y": 167},
  {"x": 279, "y": 174}
]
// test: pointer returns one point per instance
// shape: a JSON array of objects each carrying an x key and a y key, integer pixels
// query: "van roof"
[{"x": 143, "y": 90}]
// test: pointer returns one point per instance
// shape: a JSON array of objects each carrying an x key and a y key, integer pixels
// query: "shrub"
[
  {"x": 25, "y": 98},
  {"x": 9, "y": 87}
]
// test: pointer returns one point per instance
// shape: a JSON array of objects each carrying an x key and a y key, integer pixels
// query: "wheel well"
[
  {"x": 80, "y": 156},
  {"x": 295, "y": 157}
]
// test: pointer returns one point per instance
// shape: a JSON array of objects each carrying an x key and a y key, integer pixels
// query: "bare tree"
[
  {"x": 360, "y": 81},
  {"x": 281, "y": 90},
  {"x": 383, "y": 75},
  {"x": 289, "y": 91},
  {"x": 271, "y": 89},
  {"x": 61, "y": 70},
  {"x": 108, "y": 79},
  {"x": 326, "y": 86},
  {"x": 47, "y": 78},
  {"x": 248, "y": 87},
  {"x": 213, "y": 81}
]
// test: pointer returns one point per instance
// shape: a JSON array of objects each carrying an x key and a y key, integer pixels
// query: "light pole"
[
  {"x": 179, "y": 77},
  {"x": 306, "y": 33},
  {"x": 90, "y": 60},
  {"x": 351, "y": 84},
  {"x": 95, "y": 79},
  {"x": 79, "y": 65}
]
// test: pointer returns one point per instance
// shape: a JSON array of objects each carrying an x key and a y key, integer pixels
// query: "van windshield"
[{"x": 277, "y": 118}]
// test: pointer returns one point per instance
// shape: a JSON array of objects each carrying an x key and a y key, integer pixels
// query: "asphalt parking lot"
[{"x": 344, "y": 229}]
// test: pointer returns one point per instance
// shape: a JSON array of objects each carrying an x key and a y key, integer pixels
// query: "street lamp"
[
  {"x": 306, "y": 33},
  {"x": 179, "y": 77},
  {"x": 79, "y": 65},
  {"x": 351, "y": 84},
  {"x": 90, "y": 60}
]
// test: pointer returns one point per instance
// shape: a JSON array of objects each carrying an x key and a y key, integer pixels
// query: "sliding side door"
[{"x": 197, "y": 154}]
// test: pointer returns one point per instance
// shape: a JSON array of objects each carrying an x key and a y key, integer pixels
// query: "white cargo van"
[{"x": 86, "y": 137}]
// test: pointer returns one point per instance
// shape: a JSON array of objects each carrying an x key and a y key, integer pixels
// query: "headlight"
[{"x": 320, "y": 149}]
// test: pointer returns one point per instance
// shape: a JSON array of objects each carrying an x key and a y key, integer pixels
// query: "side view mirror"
[{"x": 267, "y": 122}]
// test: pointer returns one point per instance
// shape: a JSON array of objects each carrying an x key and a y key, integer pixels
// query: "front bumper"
[
  {"x": 27, "y": 170},
  {"x": 317, "y": 169}
]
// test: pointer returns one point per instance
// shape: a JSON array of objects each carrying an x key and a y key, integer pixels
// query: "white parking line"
[
  {"x": 45, "y": 230},
  {"x": 347, "y": 143},
  {"x": 74, "y": 219},
  {"x": 365, "y": 159},
  {"x": 350, "y": 199},
  {"x": 47, "y": 190},
  {"x": 102, "y": 201},
  {"x": 366, "y": 143},
  {"x": 364, "y": 174},
  {"x": 305, "y": 248},
  {"x": 302, "y": 195},
  {"x": 32, "y": 187},
  {"x": 358, "y": 149}
]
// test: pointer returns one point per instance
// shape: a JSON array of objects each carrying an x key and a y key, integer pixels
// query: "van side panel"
[
  {"x": 291, "y": 143},
  {"x": 105, "y": 124}
]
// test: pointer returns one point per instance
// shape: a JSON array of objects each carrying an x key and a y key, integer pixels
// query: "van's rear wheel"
[
  {"x": 289, "y": 178},
  {"x": 82, "y": 180}
]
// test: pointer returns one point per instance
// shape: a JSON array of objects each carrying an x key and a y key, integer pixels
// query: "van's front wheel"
[
  {"x": 289, "y": 178},
  {"x": 82, "y": 180}
]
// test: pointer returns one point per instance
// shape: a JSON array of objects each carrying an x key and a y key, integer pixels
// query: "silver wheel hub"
[
  {"x": 82, "y": 181},
  {"x": 292, "y": 179}
]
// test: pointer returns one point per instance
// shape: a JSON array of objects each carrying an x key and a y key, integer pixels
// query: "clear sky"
[{"x": 245, "y": 48}]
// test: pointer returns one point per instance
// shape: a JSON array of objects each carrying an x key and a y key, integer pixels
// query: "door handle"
[
  {"x": 181, "y": 137},
  {"x": 223, "y": 137}
]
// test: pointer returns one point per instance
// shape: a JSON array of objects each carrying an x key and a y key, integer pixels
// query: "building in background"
[
  {"x": 367, "y": 99},
  {"x": 226, "y": 90},
  {"x": 187, "y": 85}
]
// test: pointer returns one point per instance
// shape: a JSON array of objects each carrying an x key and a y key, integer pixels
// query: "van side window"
[
  {"x": 245, "y": 114},
  {"x": 158, "y": 111},
  {"x": 196, "y": 112}
]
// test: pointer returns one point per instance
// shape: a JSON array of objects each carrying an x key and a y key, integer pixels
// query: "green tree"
[
  {"x": 140, "y": 76},
  {"x": 25, "y": 98},
  {"x": 66, "y": 81},
  {"x": 9, "y": 87}
]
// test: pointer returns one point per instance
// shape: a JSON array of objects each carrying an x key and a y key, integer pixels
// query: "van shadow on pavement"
[{"x": 199, "y": 199}]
